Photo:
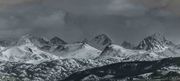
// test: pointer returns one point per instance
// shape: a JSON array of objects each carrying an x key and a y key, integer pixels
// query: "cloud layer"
[{"x": 76, "y": 19}]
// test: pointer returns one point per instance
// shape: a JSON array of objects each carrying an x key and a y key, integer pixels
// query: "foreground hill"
[{"x": 162, "y": 69}]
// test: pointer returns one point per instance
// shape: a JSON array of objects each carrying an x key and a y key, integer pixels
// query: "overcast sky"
[{"x": 74, "y": 20}]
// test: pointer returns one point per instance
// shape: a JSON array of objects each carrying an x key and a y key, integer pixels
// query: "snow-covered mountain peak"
[
  {"x": 100, "y": 41},
  {"x": 154, "y": 42},
  {"x": 102, "y": 37},
  {"x": 57, "y": 41},
  {"x": 30, "y": 39}
]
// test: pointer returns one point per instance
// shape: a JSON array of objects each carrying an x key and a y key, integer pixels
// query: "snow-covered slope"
[
  {"x": 54, "y": 70},
  {"x": 4, "y": 44},
  {"x": 77, "y": 50},
  {"x": 2, "y": 48},
  {"x": 27, "y": 53}
]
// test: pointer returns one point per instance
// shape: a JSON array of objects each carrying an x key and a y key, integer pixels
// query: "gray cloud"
[{"x": 77, "y": 19}]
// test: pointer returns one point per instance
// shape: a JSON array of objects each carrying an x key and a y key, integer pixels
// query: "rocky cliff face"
[
  {"x": 154, "y": 42},
  {"x": 100, "y": 42}
]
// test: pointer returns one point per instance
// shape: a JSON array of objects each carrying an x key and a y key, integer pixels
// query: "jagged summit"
[
  {"x": 156, "y": 41},
  {"x": 57, "y": 41},
  {"x": 101, "y": 41},
  {"x": 30, "y": 39},
  {"x": 158, "y": 36},
  {"x": 101, "y": 36}
]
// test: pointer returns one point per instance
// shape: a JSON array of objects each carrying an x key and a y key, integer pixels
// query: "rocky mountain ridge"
[{"x": 39, "y": 59}]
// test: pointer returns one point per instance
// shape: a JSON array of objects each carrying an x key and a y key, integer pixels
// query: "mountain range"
[{"x": 33, "y": 58}]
